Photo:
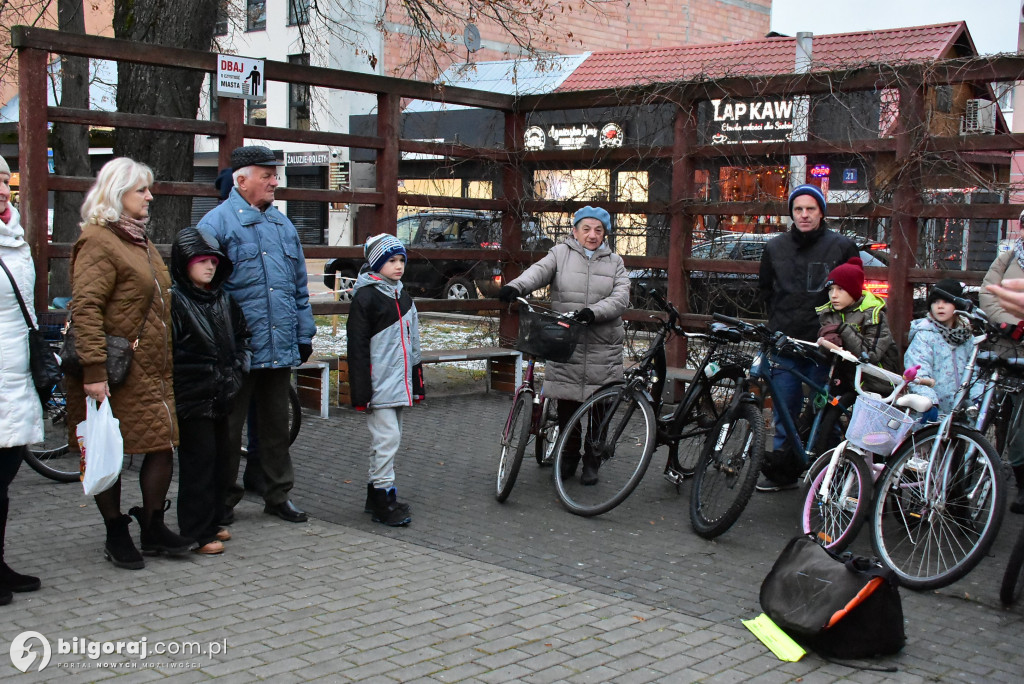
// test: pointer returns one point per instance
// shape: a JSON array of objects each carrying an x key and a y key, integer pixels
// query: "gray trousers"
[
  {"x": 385, "y": 437},
  {"x": 268, "y": 388}
]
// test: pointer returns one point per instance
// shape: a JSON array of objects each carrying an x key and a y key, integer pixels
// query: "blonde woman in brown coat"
[{"x": 118, "y": 280}]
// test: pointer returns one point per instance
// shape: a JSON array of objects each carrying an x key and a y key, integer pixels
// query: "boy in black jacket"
[
  {"x": 211, "y": 354},
  {"x": 384, "y": 369}
]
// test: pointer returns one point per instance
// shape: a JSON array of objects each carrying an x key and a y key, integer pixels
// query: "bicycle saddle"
[{"x": 915, "y": 402}]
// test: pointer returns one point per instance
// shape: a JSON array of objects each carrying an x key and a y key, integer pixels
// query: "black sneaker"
[{"x": 766, "y": 484}]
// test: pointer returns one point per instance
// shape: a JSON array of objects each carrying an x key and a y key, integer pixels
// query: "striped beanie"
[
  {"x": 812, "y": 191},
  {"x": 379, "y": 248}
]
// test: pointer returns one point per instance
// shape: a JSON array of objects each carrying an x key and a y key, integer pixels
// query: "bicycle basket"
[
  {"x": 546, "y": 336},
  {"x": 877, "y": 427}
]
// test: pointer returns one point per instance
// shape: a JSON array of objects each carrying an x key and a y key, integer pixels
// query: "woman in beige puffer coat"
[{"x": 588, "y": 278}]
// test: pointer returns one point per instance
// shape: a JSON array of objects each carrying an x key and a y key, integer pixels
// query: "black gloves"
[
  {"x": 508, "y": 294},
  {"x": 305, "y": 351},
  {"x": 585, "y": 316}
]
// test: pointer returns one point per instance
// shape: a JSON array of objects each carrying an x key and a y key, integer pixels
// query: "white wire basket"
[{"x": 877, "y": 427}]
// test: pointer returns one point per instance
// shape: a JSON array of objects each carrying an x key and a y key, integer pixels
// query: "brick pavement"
[{"x": 472, "y": 591}]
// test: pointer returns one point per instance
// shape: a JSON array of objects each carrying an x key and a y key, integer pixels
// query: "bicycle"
[
  {"x": 941, "y": 499},
  {"x": 532, "y": 413},
  {"x": 618, "y": 426},
  {"x": 841, "y": 481}
]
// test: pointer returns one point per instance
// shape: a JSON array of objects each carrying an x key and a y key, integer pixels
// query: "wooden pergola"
[{"x": 35, "y": 47}]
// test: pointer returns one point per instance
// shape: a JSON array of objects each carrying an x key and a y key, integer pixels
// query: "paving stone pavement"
[{"x": 471, "y": 591}]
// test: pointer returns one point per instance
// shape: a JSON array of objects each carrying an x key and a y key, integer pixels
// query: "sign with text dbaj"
[{"x": 240, "y": 77}]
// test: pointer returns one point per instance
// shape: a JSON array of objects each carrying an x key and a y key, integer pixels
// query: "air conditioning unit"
[{"x": 979, "y": 117}]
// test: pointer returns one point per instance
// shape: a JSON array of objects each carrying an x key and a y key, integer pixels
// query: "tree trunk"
[
  {"x": 162, "y": 91},
  {"x": 70, "y": 144}
]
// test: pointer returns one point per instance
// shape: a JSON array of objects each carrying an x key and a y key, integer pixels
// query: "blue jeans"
[{"x": 790, "y": 390}]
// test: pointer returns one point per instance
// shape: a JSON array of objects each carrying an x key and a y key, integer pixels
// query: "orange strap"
[{"x": 861, "y": 596}]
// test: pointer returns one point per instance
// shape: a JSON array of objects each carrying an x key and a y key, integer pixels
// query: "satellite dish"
[{"x": 471, "y": 37}]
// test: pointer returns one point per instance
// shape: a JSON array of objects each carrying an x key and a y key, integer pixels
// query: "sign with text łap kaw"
[{"x": 240, "y": 77}]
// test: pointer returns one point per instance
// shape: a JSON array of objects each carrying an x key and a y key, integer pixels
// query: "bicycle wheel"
[
  {"x": 513, "y": 444},
  {"x": 1009, "y": 590},
  {"x": 932, "y": 523},
  {"x": 703, "y": 414},
  {"x": 616, "y": 428},
  {"x": 833, "y": 520},
  {"x": 727, "y": 471},
  {"x": 51, "y": 457}
]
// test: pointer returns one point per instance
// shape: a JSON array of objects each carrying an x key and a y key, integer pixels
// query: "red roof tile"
[{"x": 767, "y": 56}]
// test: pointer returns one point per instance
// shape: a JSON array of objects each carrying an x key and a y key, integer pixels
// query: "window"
[
  {"x": 298, "y": 98},
  {"x": 256, "y": 15},
  {"x": 220, "y": 26},
  {"x": 298, "y": 12},
  {"x": 256, "y": 113},
  {"x": 944, "y": 98}
]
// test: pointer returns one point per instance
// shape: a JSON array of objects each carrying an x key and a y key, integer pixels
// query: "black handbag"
[
  {"x": 842, "y": 607},
  {"x": 42, "y": 361}
]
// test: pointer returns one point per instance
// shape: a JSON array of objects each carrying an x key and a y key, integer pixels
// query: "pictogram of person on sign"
[{"x": 254, "y": 78}]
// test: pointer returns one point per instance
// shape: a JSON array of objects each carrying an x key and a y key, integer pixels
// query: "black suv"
[
  {"x": 442, "y": 277},
  {"x": 734, "y": 294}
]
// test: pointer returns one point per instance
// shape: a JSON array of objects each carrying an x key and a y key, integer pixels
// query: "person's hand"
[
  {"x": 97, "y": 390},
  {"x": 508, "y": 294},
  {"x": 830, "y": 333},
  {"x": 1010, "y": 294},
  {"x": 585, "y": 316},
  {"x": 305, "y": 351}
]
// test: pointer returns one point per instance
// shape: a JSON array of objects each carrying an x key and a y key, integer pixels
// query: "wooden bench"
[{"x": 504, "y": 367}]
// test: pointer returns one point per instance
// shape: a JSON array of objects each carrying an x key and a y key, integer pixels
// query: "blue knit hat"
[
  {"x": 813, "y": 190},
  {"x": 593, "y": 212},
  {"x": 380, "y": 248}
]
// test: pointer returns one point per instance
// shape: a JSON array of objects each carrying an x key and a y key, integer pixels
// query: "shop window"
[
  {"x": 256, "y": 113},
  {"x": 298, "y": 12},
  {"x": 298, "y": 98},
  {"x": 256, "y": 15},
  {"x": 220, "y": 25},
  {"x": 944, "y": 98}
]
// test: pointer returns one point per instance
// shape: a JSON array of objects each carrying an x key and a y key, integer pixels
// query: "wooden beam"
[{"x": 33, "y": 164}]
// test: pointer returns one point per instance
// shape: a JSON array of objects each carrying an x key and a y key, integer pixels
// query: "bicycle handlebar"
[{"x": 863, "y": 367}]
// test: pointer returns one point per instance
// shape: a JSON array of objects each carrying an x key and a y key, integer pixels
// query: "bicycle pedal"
[{"x": 674, "y": 477}]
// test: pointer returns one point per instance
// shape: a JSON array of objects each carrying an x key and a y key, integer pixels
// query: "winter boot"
[
  {"x": 155, "y": 536},
  {"x": 591, "y": 463},
  {"x": 119, "y": 548},
  {"x": 368, "y": 508},
  {"x": 10, "y": 580},
  {"x": 1017, "y": 505},
  {"x": 386, "y": 510}
]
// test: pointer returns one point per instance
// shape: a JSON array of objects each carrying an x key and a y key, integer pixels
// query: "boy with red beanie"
[{"x": 855, "y": 320}]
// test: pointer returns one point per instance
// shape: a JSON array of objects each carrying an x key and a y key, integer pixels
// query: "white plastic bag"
[{"x": 102, "y": 447}]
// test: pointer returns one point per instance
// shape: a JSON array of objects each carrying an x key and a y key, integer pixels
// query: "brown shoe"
[
  {"x": 210, "y": 549},
  {"x": 223, "y": 535}
]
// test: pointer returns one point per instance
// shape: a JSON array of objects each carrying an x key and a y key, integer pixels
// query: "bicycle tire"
[
  {"x": 623, "y": 450},
  {"x": 513, "y": 445},
  {"x": 932, "y": 543},
  {"x": 727, "y": 472},
  {"x": 703, "y": 415},
  {"x": 1011, "y": 586},
  {"x": 51, "y": 457},
  {"x": 835, "y": 524}
]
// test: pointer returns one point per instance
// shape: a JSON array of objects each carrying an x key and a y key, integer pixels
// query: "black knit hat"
[
  {"x": 252, "y": 155},
  {"x": 950, "y": 286}
]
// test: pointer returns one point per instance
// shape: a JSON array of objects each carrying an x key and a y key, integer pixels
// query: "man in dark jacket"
[{"x": 794, "y": 269}]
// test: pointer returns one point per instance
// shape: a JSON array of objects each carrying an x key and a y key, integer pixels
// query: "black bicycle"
[{"x": 620, "y": 430}]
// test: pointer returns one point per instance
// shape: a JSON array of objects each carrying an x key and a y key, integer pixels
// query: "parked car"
[
  {"x": 735, "y": 294},
  {"x": 442, "y": 277}
]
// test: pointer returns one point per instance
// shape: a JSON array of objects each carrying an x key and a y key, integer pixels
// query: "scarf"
[
  {"x": 132, "y": 230},
  {"x": 956, "y": 335},
  {"x": 1018, "y": 251}
]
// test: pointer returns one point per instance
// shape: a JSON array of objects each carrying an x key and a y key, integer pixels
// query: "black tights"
[
  {"x": 10, "y": 461},
  {"x": 155, "y": 480}
]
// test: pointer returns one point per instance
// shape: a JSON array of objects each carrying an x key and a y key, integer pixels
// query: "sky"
[{"x": 993, "y": 24}]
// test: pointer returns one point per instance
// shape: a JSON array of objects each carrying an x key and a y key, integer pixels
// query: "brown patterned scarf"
[{"x": 132, "y": 230}]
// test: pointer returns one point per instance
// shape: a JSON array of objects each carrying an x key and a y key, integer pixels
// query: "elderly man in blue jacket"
[{"x": 270, "y": 284}]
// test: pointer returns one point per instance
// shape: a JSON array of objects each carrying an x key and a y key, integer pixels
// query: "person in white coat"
[{"x": 21, "y": 413}]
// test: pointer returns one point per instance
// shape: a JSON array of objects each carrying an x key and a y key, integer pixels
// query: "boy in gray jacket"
[{"x": 385, "y": 373}]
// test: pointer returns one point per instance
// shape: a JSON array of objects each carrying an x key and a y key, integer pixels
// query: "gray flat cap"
[{"x": 253, "y": 155}]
